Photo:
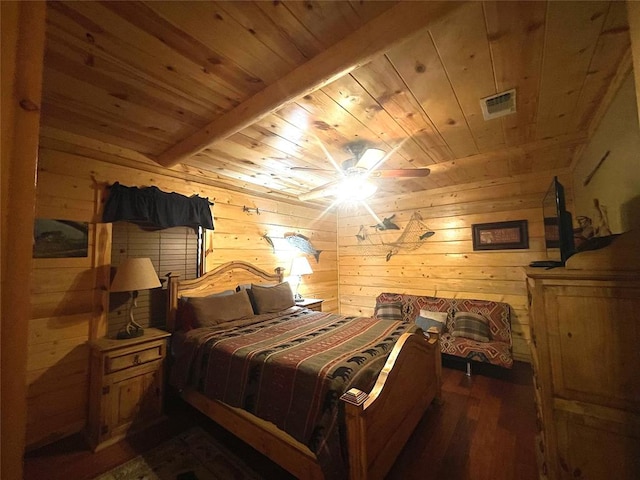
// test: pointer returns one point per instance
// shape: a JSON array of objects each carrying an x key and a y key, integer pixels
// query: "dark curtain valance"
[{"x": 152, "y": 206}]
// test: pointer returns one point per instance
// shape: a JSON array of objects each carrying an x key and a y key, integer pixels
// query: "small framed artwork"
[
  {"x": 60, "y": 238},
  {"x": 500, "y": 235}
]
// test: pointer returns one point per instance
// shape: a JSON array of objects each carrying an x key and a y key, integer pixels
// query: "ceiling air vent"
[{"x": 499, "y": 105}]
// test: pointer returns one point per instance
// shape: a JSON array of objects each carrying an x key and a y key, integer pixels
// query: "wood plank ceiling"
[{"x": 145, "y": 76}]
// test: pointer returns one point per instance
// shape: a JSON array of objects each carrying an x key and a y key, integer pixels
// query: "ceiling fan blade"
[
  {"x": 321, "y": 191},
  {"x": 400, "y": 173},
  {"x": 311, "y": 169},
  {"x": 370, "y": 158}
]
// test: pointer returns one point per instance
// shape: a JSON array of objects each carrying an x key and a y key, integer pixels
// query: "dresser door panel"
[
  {"x": 590, "y": 448},
  {"x": 134, "y": 401},
  {"x": 594, "y": 335}
]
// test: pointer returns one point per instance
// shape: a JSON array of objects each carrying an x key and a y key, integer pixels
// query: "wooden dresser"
[
  {"x": 585, "y": 345},
  {"x": 127, "y": 387}
]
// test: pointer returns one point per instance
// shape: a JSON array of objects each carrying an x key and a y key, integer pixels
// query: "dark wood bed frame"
[{"x": 377, "y": 428}]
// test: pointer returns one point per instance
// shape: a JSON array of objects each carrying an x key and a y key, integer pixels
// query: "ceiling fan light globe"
[
  {"x": 370, "y": 158},
  {"x": 355, "y": 189}
]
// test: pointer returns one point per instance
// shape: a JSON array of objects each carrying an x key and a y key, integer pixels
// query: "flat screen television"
[{"x": 558, "y": 227}]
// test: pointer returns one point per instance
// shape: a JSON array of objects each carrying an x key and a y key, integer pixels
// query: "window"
[{"x": 174, "y": 250}]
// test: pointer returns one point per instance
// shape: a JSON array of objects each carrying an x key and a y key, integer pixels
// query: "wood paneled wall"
[
  {"x": 239, "y": 235},
  {"x": 446, "y": 264},
  {"x": 69, "y": 295}
]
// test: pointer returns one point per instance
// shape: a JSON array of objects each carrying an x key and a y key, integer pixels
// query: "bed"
[{"x": 347, "y": 432}]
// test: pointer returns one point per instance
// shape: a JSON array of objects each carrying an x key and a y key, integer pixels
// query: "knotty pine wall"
[
  {"x": 446, "y": 265},
  {"x": 68, "y": 295}
]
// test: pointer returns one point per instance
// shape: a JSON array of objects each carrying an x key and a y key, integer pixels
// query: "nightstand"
[
  {"x": 311, "y": 304},
  {"x": 126, "y": 386}
]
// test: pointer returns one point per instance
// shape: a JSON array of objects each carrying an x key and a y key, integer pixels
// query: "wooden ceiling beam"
[
  {"x": 376, "y": 37},
  {"x": 567, "y": 140}
]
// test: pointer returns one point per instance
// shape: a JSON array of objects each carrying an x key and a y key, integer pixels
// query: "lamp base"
[{"x": 131, "y": 333}]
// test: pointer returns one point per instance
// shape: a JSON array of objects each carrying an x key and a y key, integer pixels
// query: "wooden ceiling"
[{"x": 240, "y": 92}]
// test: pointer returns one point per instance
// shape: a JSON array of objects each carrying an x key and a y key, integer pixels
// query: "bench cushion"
[
  {"x": 496, "y": 353},
  {"x": 498, "y": 350}
]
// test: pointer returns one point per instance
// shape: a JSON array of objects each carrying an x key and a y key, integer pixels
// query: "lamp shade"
[
  {"x": 300, "y": 266},
  {"x": 135, "y": 274}
]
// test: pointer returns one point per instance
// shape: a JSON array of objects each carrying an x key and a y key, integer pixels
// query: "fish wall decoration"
[
  {"x": 303, "y": 244},
  {"x": 387, "y": 224},
  {"x": 269, "y": 241}
]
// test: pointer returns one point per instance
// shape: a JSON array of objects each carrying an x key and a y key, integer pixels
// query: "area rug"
[{"x": 192, "y": 455}]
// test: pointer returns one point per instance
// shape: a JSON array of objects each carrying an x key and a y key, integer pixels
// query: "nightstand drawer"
[{"x": 117, "y": 363}]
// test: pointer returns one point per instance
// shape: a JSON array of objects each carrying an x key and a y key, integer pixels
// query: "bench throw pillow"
[
  {"x": 471, "y": 325},
  {"x": 272, "y": 299},
  {"x": 389, "y": 311},
  {"x": 213, "y": 310},
  {"x": 428, "y": 319}
]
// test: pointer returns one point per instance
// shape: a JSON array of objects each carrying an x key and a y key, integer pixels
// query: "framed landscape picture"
[
  {"x": 60, "y": 238},
  {"x": 500, "y": 235}
]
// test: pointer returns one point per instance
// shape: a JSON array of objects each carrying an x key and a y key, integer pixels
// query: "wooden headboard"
[{"x": 224, "y": 277}]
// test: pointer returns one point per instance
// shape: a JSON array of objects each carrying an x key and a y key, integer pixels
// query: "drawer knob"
[{"x": 136, "y": 360}]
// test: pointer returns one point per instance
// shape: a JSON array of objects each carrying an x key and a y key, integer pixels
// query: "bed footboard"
[{"x": 379, "y": 426}]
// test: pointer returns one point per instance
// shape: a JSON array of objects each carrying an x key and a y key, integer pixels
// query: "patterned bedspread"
[{"x": 290, "y": 369}]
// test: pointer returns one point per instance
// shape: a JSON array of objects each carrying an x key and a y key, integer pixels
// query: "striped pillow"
[
  {"x": 389, "y": 311},
  {"x": 471, "y": 325}
]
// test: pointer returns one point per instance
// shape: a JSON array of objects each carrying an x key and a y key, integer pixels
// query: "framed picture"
[
  {"x": 500, "y": 235},
  {"x": 60, "y": 238}
]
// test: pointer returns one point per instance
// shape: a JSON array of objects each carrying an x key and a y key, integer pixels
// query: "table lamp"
[
  {"x": 299, "y": 266},
  {"x": 132, "y": 275}
]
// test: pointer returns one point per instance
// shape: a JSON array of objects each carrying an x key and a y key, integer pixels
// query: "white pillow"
[
  {"x": 428, "y": 319},
  {"x": 437, "y": 316}
]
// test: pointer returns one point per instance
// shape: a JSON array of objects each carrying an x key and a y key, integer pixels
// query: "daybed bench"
[
  {"x": 256, "y": 391},
  {"x": 475, "y": 330}
]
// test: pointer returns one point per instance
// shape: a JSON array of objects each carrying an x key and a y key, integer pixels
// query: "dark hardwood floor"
[{"x": 484, "y": 429}]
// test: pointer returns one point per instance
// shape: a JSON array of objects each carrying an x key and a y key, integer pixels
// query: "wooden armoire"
[{"x": 585, "y": 345}]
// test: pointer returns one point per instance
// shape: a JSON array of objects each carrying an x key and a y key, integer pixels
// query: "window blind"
[{"x": 171, "y": 250}]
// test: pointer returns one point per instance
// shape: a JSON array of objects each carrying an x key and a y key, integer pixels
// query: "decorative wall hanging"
[
  {"x": 386, "y": 224},
  {"x": 295, "y": 240},
  {"x": 151, "y": 206},
  {"x": 413, "y": 236},
  {"x": 595, "y": 169},
  {"x": 251, "y": 210},
  {"x": 267, "y": 239},
  {"x": 500, "y": 235},
  {"x": 303, "y": 244},
  {"x": 60, "y": 238}
]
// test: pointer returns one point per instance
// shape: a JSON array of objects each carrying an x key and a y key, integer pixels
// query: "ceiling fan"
[{"x": 355, "y": 173}]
